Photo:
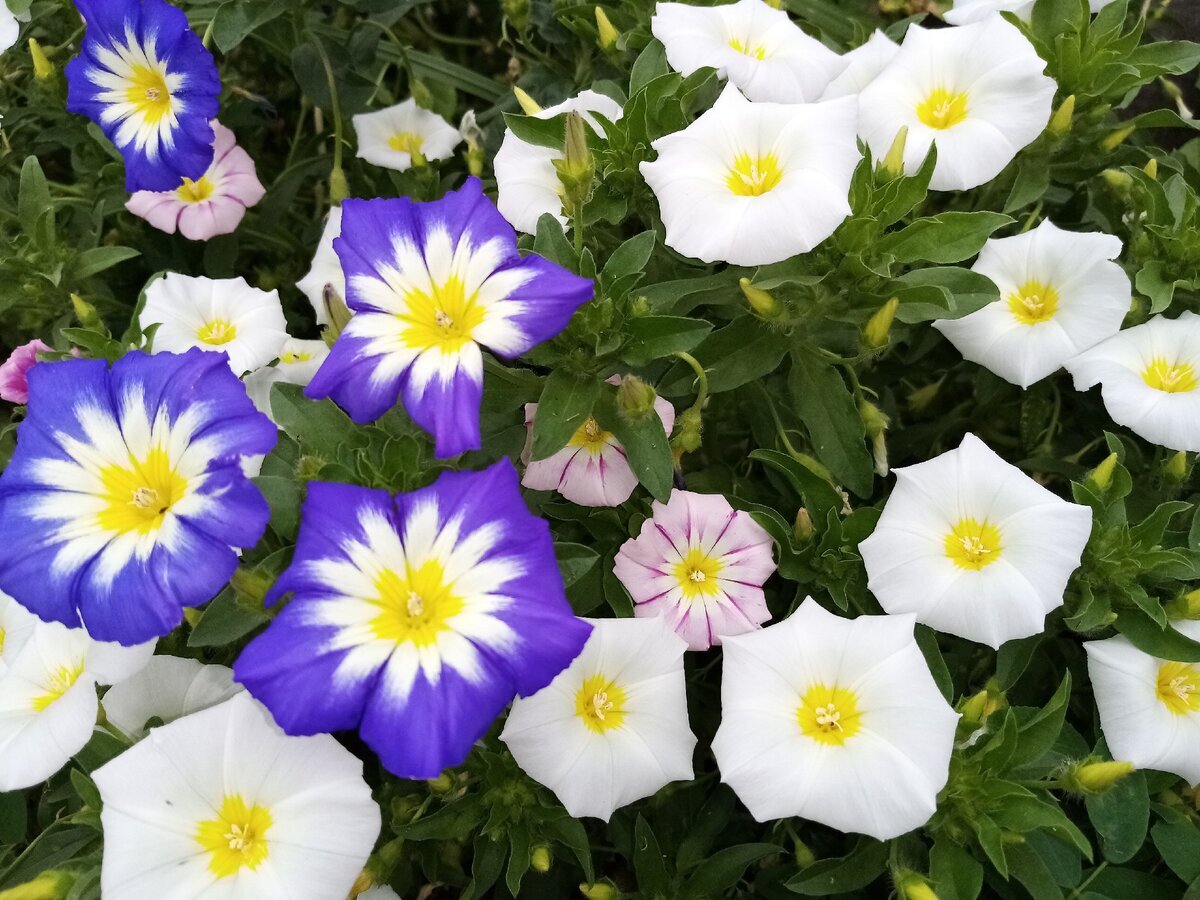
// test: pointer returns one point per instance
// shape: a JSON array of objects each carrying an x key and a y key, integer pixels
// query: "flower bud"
[
  {"x": 1151, "y": 168},
  {"x": 529, "y": 106},
  {"x": 577, "y": 168},
  {"x": 1102, "y": 475},
  {"x": 1092, "y": 777},
  {"x": 540, "y": 859},
  {"x": 86, "y": 314},
  {"x": 1060, "y": 122},
  {"x": 421, "y": 93},
  {"x": 42, "y": 67},
  {"x": 363, "y": 883},
  {"x": 979, "y": 707},
  {"x": 912, "y": 886},
  {"x": 1115, "y": 139},
  {"x": 920, "y": 399},
  {"x": 893, "y": 162},
  {"x": 879, "y": 326},
  {"x": 517, "y": 12},
  {"x": 251, "y": 584},
  {"x": 635, "y": 398},
  {"x": 760, "y": 301},
  {"x": 1119, "y": 181},
  {"x": 876, "y": 423},
  {"x": 442, "y": 784},
  {"x": 1185, "y": 607},
  {"x": 775, "y": 4},
  {"x": 688, "y": 427},
  {"x": 802, "y": 853},
  {"x": 599, "y": 891},
  {"x": 51, "y": 885},
  {"x": 472, "y": 135},
  {"x": 339, "y": 187},
  {"x": 803, "y": 530},
  {"x": 606, "y": 34}
]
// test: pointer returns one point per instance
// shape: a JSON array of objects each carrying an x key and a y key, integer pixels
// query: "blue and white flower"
[
  {"x": 429, "y": 284},
  {"x": 415, "y": 618},
  {"x": 125, "y": 498},
  {"x": 145, "y": 78}
]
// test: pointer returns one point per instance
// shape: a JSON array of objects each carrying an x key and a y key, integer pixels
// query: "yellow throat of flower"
[
  {"x": 590, "y": 436},
  {"x": 697, "y": 574},
  {"x": 1170, "y": 378},
  {"x": 443, "y": 319},
  {"x": 1033, "y": 303},
  {"x": 406, "y": 142},
  {"x": 829, "y": 715},
  {"x": 972, "y": 544},
  {"x": 1179, "y": 688},
  {"x": 753, "y": 176},
  {"x": 139, "y": 495},
  {"x": 943, "y": 109},
  {"x": 237, "y": 838},
  {"x": 61, "y": 680},
  {"x": 217, "y": 332},
  {"x": 148, "y": 94},
  {"x": 195, "y": 191},
  {"x": 746, "y": 48},
  {"x": 600, "y": 704},
  {"x": 415, "y": 606}
]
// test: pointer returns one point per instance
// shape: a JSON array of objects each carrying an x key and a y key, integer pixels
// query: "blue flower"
[
  {"x": 430, "y": 283},
  {"x": 125, "y": 497},
  {"x": 146, "y": 79},
  {"x": 416, "y": 618}
]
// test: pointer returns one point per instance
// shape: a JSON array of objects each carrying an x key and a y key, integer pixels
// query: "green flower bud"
[
  {"x": 635, "y": 398},
  {"x": 600, "y": 891},
  {"x": 879, "y": 326},
  {"x": 760, "y": 301},
  {"x": 803, "y": 530},
  {"x": 52, "y": 885},
  {"x": 1119, "y": 181},
  {"x": 339, "y": 187},
  {"x": 336, "y": 311},
  {"x": 1115, "y": 139},
  {"x": 1185, "y": 607},
  {"x": 1151, "y": 168},
  {"x": 443, "y": 784},
  {"x": 540, "y": 859},
  {"x": 1095, "y": 777},
  {"x": 1060, "y": 122},
  {"x": 87, "y": 315},
  {"x": 529, "y": 106},
  {"x": 42, "y": 67},
  {"x": 606, "y": 34},
  {"x": 421, "y": 93},
  {"x": 893, "y": 162},
  {"x": 517, "y": 12},
  {"x": 576, "y": 169},
  {"x": 688, "y": 427},
  {"x": 912, "y": 886},
  {"x": 1178, "y": 467},
  {"x": 473, "y": 137},
  {"x": 876, "y": 423},
  {"x": 921, "y": 399},
  {"x": 1102, "y": 475}
]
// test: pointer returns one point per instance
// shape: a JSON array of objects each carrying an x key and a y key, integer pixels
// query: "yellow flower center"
[
  {"x": 943, "y": 109},
  {"x": 3, "y": 634},
  {"x": 697, "y": 574},
  {"x": 748, "y": 49},
  {"x": 1034, "y": 302},
  {"x": 590, "y": 435},
  {"x": 236, "y": 838},
  {"x": 59, "y": 682},
  {"x": 829, "y": 715},
  {"x": 1171, "y": 378},
  {"x": 1179, "y": 688},
  {"x": 753, "y": 176},
  {"x": 406, "y": 142},
  {"x": 139, "y": 496},
  {"x": 217, "y": 332},
  {"x": 290, "y": 358},
  {"x": 972, "y": 544},
  {"x": 148, "y": 94},
  {"x": 443, "y": 319},
  {"x": 414, "y": 607},
  {"x": 195, "y": 191},
  {"x": 600, "y": 703}
]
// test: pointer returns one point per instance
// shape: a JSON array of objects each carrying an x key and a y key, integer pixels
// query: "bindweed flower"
[
  {"x": 527, "y": 182},
  {"x": 48, "y": 678},
  {"x": 967, "y": 12},
  {"x": 592, "y": 470},
  {"x": 700, "y": 564},
  {"x": 10, "y": 28},
  {"x": 223, "y": 805},
  {"x": 212, "y": 204},
  {"x": 298, "y": 363},
  {"x": 1149, "y": 707},
  {"x": 755, "y": 183},
  {"x": 863, "y": 65},
  {"x": 760, "y": 50},
  {"x": 835, "y": 720},
  {"x": 223, "y": 315},
  {"x": 612, "y": 728},
  {"x": 14, "y": 384},
  {"x": 125, "y": 499},
  {"x": 977, "y": 91},
  {"x": 145, "y": 78},
  {"x": 403, "y": 136},
  {"x": 430, "y": 283},
  {"x": 1060, "y": 294},
  {"x": 974, "y": 546},
  {"x": 416, "y": 618},
  {"x": 166, "y": 689},
  {"x": 1149, "y": 377},
  {"x": 326, "y": 269}
]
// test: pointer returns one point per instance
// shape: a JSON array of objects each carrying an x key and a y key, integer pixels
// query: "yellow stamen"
[
  {"x": 148, "y": 94},
  {"x": 972, "y": 544},
  {"x": 1033, "y": 303},
  {"x": 237, "y": 838},
  {"x": 697, "y": 574},
  {"x": 1179, "y": 688},
  {"x": 1170, "y": 378},
  {"x": 600, "y": 704},
  {"x": 829, "y": 715},
  {"x": 443, "y": 320},
  {"x": 590, "y": 436},
  {"x": 747, "y": 49},
  {"x": 753, "y": 176},
  {"x": 415, "y": 606},
  {"x": 406, "y": 142},
  {"x": 59, "y": 682},
  {"x": 217, "y": 332},
  {"x": 943, "y": 109},
  {"x": 195, "y": 191},
  {"x": 139, "y": 496}
]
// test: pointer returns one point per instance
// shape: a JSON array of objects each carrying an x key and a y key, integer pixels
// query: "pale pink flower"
[
  {"x": 211, "y": 206},
  {"x": 13, "y": 371},
  {"x": 701, "y": 564}
]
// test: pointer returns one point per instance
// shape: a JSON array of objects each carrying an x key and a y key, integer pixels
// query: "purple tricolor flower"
[
  {"x": 429, "y": 283},
  {"x": 125, "y": 498},
  {"x": 14, "y": 371},
  {"x": 415, "y": 618},
  {"x": 145, "y": 78}
]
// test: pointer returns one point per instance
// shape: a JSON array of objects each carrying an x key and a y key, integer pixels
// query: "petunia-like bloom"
[
  {"x": 168, "y": 688},
  {"x": 298, "y": 363},
  {"x": 1059, "y": 295},
  {"x": 416, "y": 618},
  {"x": 10, "y": 28},
  {"x": 835, "y": 720},
  {"x": 700, "y": 564},
  {"x": 758, "y": 48},
  {"x": 976, "y": 91},
  {"x": 125, "y": 498},
  {"x": 222, "y": 315},
  {"x": 48, "y": 705},
  {"x": 755, "y": 183},
  {"x": 974, "y": 547},
  {"x": 1150, "y": 379},
  {"x": 429, "y": 284},
  {"x": 326, "y": 269},
  {"x": 223, "y": 805},
  {"x": 210, "y": 205},
  {"x": 612, "y": 728},
  {"x": 967, "y": 12},
  {"x": 1149, "y": 707},
  {"x": 146, "y": 79},
  {"x": 863, "y": 65},
  {"x": 527, "y": 184},
  {"x": 592, "y": 469},
  {"x": 14, "y": 386},
  {"x": 404, "y": 134}
]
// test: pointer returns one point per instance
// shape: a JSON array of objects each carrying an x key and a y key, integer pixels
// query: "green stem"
[
  {"x": 207, "y": 39},
  {"x": 701, "y": 379},
  {"x": 335, "y": 104},
  {"x": 1078, "y": 892},
  {"x": 779, "y": 429}
]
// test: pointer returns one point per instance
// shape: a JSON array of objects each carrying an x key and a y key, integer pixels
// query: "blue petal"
[
  {"x": 346, "y": 378},
  {"x": 449, "y": 410}
]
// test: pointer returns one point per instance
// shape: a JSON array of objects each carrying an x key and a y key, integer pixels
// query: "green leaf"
[
  {"x": 725, "y": 868},
  {"x": 1027, "y": 867},
  {"x": 1149, "y": 637},
  {"x": 739, "y": 353},
  {"x": 645, "y": 443},
  {"x": 927, "y": 640},
  {"x": 1121, "y": 816},
  {"x": 650, "y": 64},
  {"x": 1037, "y": 736},
  {"x": 956, "y": 874},
  {"x": 564, "y": 407},
  {"x": 551, "y": 132},
  {"x": 283, "y": 496},
  {"x": 224, "y": 621},
  {"x": 33, "y": 198},
  {"x": 630, "y": 258},
  {"x": 551, "y": 242},
  {"x": 827, "y": 409},
  {"x": 96, "y": 260},
  {"x": 940, "y": 292},
  {"x": 649, "y": 862},
  {"x": 315, "y": 424},
  {"x": 657, "y": 337},
  {"x": 1179, "y": 846},
  {"x": 947, "y": 238},
  {"x": 14, "y": 818},
  {"x": 574, "y": 561},
  {"x": 53, "y": 847},
  {"x": 518, "y": 859},
  {"x": 236, "y": 20},
  {"x": 819, "y": 496},
  {"x": 852, "y": 872}
]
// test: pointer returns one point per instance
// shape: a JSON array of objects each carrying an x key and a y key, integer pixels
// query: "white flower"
[
  {"x": 9, "y": 27},
  {"x": 1059, "y": 295},
  {"x": 392, "y": 137},
  {"x": 527, "y": 183},
  {"x": 974, "y": 546},
  {"x": 759, "y": 49},
  {"x": 755, "y": 183},
  {"x": 379, "y": 893},
  {"x": 977, "y": 91},
  {"x": 613, "y": 726},
  {"x": 224, "y": 315},
  {"x": 48, "y": 704},
  {"x": 326, "y": 268},
  {"x": 1150, "y": 377},
  {"x": 223, "y": 804},
  {"x": 835, "y": 720},
  {"x": 298, "y": 363},
  {"x": 168, "y": 688},
  {"x": 967, "y": 12},
  {"x": 1149, "y": 708},
  {"x": 865, "y": 62}
]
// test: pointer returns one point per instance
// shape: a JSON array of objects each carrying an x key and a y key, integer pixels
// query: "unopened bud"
[
  {"x": 688, "y": 428},
  {"x": 879, "y": 326},
  {"x": 1151, "y": 168},
  {"x": 1102, "y": 475},
  {"x": 775, "y": 4},
  {"x": 1119, "y": 181},
  {"x": 760, "y": 301},
  {"x": 52, "y": 885},
  {"x": 540, "y": 859},
  {"x": 363, "y": 883},
  {"x": 921, "y": 399},
  {"x": 635, "y": 398},
  {"x": 979, "y": 707},
  {"x": 86, "y": 314},
  {"x": 1185, "y": 607},
  {"x": 1178, "y": 467},
  {"x": 606, "y": 34},
  {"x": 802, "y": 853},
  {"x": 876, "y": 423},
  {"x": 251, "y": 584},
  {"x": 442, "y": 784},
  {"x": 472, "y": 135},
  {"x": 1115, "y": 139},
  {"x": 913, "y": 887},
  {"x": 517, "y": 12},
  {"x": 1091, "y": 777},
  {"x": 339, "y": 187},
  {"x": 893, "y": 162},
  {"x": 337, "y": 313},
  {"x": 421, "y": 93},
  {"x": 1060, "y": 122},
  {"x": 803, "y": 530},
  {"x": 42, "y": 67},
  {"x": 599, "y": 891},
  {"x": 577, "y": 168},
  {"x": 529, "y": 106}
]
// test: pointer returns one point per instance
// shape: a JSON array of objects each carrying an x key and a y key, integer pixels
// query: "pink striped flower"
[
  {"x": 13, "y": 384},
  {"x": 701, "y": 564},
  {"x": 214, "y": 204}
]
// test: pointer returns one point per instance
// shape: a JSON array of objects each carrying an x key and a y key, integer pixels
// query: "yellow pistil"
[
  {"x": 697, "y": 574},
  {"x": 747, "y": 49},
  {"x": 148, "y": 94},
  {"x": 943, "y": 109},
  {"x": 415, "y": 606},
  {"x": 829, "y": 715},
  {"x": 600, "y": 703},
  {"x": 60, "y": 681},
  {"x": 289, "y": 358},
  {"x": 753, "y": 176},
  {"x": 590, "y": 436},
  {"x": 237, "y": 838},
  {"x": 139, "y": 496},
  {"x": 972, "y": 544},
  {"x": 217, "y": 332},
  {"x": 195, "y": 191},
  {"x": 1033, "y": 303},
  {"x": 406, "y": 142},
  {"x": 1179, "y": 688},
  {"x": 443, "y": 319},
  {"x": 1170, "y": 378}
]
